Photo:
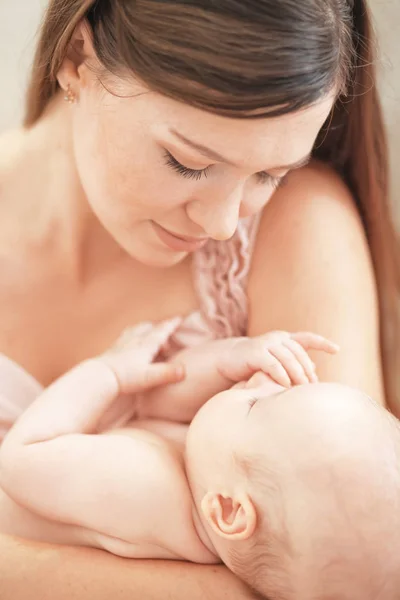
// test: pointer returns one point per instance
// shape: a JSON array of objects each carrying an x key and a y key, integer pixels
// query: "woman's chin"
[
  {"x": 164, "y": 262},
  {"x": 156, "y": 257}
]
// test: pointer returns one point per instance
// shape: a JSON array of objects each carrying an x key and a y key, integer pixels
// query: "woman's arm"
[
  {"x": 312, "y": 271},
  {"x": 30, "y": 571}
]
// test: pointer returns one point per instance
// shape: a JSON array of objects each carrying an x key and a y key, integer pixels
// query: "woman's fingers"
[{"x": 312, "y": 341}]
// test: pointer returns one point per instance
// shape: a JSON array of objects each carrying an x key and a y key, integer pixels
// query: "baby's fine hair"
[{"x": 267, "y": 562}]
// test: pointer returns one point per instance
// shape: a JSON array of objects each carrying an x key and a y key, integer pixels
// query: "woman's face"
[{"x": 163, "y": 177}]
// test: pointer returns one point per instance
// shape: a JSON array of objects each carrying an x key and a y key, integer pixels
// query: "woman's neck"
[{"x": 43, "y": 203}]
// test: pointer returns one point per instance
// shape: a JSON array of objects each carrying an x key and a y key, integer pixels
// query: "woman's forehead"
[
  {"x": 259, "y": 143},
  {"x": 273, "y": 141}
]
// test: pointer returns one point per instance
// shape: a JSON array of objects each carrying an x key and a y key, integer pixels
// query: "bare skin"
[
  {"x": 30, "y": 571},
  {"x": 78, "y": 264}
]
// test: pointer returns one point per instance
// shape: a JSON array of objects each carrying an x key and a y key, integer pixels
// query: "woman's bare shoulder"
[
  {"x": 312, "y": 220},
  {"x": 304, "y": 202},
  {"x": 312, "y": 270},
  {"x": 11, "y": 146}
]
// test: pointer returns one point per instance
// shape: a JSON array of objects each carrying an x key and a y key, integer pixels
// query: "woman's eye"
[
  {"x": 197, "y": 174},
  {"x": 184, "y": 171}
]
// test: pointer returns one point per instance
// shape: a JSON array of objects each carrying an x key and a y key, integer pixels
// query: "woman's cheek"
[{"x": 161, "y": 189}]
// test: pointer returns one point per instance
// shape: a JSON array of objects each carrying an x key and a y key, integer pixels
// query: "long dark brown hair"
[{"x": 254, "y": 58}]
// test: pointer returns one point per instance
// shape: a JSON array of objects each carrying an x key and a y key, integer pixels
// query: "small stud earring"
[{"x": 69, "y": 95}]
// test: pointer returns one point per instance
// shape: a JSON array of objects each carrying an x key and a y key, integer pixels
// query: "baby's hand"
[
  {"x": 214, "y": 366},
  {"x": 281, "y": 355},
  {"x": 131, "y": 358}
]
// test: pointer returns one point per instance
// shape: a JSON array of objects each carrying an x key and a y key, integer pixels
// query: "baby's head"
[{"x": 298, "y": 490}]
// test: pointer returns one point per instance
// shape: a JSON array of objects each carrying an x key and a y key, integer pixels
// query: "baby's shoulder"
[
  {"x": 166, "y": 497},
  {"x": 169, "y": 435}
]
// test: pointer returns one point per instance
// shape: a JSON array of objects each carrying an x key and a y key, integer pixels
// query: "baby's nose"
[
  {"x": 257, "y": 380},
  {"x": 239, "y": 386}
]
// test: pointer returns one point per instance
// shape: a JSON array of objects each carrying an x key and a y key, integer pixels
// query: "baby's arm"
[
  {"x": 213, "y": 367},
  {"x": 180, "y": 402},
  {"x": 51, "y": 464},
  {"x": 127, "y": 493}
]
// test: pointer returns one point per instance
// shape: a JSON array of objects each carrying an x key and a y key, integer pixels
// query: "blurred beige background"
[{"x": 19, "y": 20}]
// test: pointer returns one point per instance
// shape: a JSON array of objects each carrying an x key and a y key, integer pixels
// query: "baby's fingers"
[
  {"x": 290, "y": 363},
  {"x": 312, "y": 341},
  {"x": 303, "y": 359},
  {"x": 153, "y": 340},
  {"x": 149, "y": 376},
  {"x": 131, "y": 335},
  {"x": 271, "y": 365}
]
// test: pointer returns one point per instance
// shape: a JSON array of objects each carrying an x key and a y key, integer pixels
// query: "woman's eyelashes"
[
  {"x": 197, "y": 174},
  {"x": 185, "y": 171}
]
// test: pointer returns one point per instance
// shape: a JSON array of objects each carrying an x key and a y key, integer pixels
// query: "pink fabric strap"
[{"x": 221, "y": 272}]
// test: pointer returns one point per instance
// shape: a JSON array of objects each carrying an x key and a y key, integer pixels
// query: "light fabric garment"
[{"x": 220, "y": 275}]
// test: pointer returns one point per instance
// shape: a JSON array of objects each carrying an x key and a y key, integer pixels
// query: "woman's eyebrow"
[{"x": 209, "y": 153}]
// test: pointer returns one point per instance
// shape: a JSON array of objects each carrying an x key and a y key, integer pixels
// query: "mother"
[{"x": 151, "y": 192}]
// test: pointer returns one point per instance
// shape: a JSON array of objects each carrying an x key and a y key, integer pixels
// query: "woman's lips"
[{"x": 178, "y": 243}]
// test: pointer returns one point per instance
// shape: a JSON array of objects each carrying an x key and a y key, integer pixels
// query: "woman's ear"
[
  {"x": 230, "y": 518},
  {"x": 74, "y": 71}
]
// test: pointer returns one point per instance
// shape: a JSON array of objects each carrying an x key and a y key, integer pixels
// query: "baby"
[{"x": 296, "y": 489}]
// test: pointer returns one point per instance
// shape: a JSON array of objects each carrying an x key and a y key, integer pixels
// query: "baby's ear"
[{"x": 232, "y": 518}]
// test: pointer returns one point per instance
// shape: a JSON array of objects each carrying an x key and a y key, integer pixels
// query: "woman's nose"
[{"x": 217, "y": 215}]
